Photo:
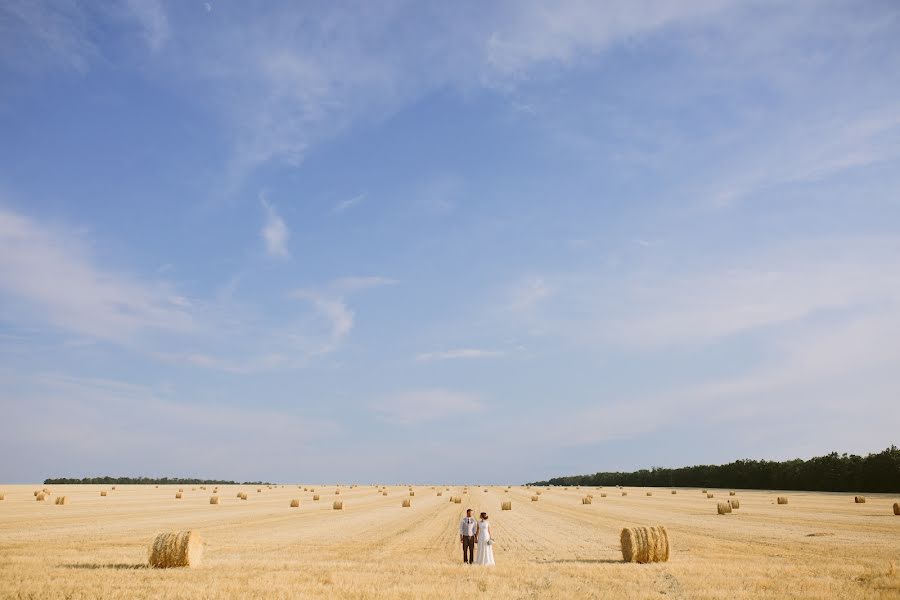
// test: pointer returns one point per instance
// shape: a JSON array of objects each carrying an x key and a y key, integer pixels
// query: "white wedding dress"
[{"x": 484, "y": 553}]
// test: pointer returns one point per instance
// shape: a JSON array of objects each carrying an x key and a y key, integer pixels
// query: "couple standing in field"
[{"x": 476, "y": 533}]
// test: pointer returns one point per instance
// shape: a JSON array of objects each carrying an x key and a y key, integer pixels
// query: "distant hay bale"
[
  {"x": 587, "y": 500},
  {"x": 61, "y": 500},
  {"x": 178, "y": 495},
  {"x": 649, "y": 493},
  {"x": 338, "y": 505},
  {"x": 456, "y": 500},
  {"x": 724, "y": 508},
  {"x": 316, "y": 498},
  {"x": 41, "y": 497},
  {"x": 412, "y": 493},
  {"x": 674, "y": 492},
  {"x": 2, "y": 496},
  {"x": 539, "y": 493},
  {"x": 113, "y": 488},
  {"x": 385, "y": 494},
  {"x": 603, "y": 494},
  {"x": 213, "y": 499},
  {"x": 703, "y": 492},
  {"x": 440, "y": 493},
  {"x": 732, "y": 493},
  {"x": 176, "y": 549},
  {"x": 239, "y": 494},
  {"x": 243, "y": 496},
  {"x": 896, "y": 507},
  {"x": 534, "y": 498},
  {"x": 337, "y": 492},
  {"x": 485, "y": 490},
  {"x": 258, "y": 490},
  {"x": 180, "y": 489},
  {"x": 407, "y": 503},
  {"x": 710, "y": 495},
  {"x": 295, "y": 503},
  {"x": 102, "y": 492},
  {"x": 735, "y": 503},
  {"x": 506, "y": 505},
  {"x": 645, "y": 544},
  {"x": 36, "y": 492},
  {"x": 624, "y": 493},
  {"x": 782, "y": 499},
  {"x": 859, "y": 499}
]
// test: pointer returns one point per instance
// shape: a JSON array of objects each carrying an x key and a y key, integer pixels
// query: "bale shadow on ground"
[{"x": 117, "y": 566}]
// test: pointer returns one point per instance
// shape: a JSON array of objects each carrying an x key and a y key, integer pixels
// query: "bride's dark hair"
[{"x": 484, "y": 515}]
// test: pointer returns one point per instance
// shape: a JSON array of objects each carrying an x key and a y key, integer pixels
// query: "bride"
[{"x": 484, "y": 555}]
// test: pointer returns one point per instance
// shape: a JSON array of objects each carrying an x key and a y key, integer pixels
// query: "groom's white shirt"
[{"x": 467, "y": 526}]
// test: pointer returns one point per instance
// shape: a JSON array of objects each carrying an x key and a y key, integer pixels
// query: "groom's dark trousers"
[{"x": 468, "y": 545}]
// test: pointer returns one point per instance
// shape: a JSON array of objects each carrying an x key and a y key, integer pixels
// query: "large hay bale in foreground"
[
  {"x": 896, "y": 507},
  {"x": 315, "y": 497},
  {"x": 102, "y": 492},
  {"x": 338, "y": 505},
  {"x": 213, "y": 499},
  {"x": 407, "y": 503},
  {"x": 645, "y": 544},
  {"x": 859, "y": 499},
  {"x": 782, "y": 499},
  {"x": 176, "y": 549},
  {"x": 735, "y": 503},
  {"x": 724, "y": 508},
  {"x": 61, "y": 500},
  {"x": 506, "y": 505},
  {"x": 295, "y": 503},
  {"x": 587, "y": 500}
]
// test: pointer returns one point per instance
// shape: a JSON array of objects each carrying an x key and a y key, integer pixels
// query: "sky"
[{"x": 469, "y": 242}]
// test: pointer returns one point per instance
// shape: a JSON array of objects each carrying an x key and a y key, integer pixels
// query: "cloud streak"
[{"x": 275, "y": 233}]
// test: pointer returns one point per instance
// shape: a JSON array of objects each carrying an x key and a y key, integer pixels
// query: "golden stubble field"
[{"x": 817, "y": 546}]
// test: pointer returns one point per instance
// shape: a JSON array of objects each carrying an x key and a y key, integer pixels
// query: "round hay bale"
[
  {"x": 732, "y": 493},
  {"x": 896, "y": 507},
  {"x": 407, "y": 503},
  {"x": 649, "y": 493},
  {"x": 385, "y": 494},
  {"x": 624, "y": 493},
  {"x": 2, "y": 496},
  {"x": 176, "y": 549},
  {"x": 440, "y": 493},
  {"x": 259, "y": 490},
  {"x": 506, "y": 505},
  {"x": 178, "y": 495},
  {"x": 243, "y": 496},
  {"x": 315, "y": 498},
  {"x": 703, "y": 492},
  {"x": 603, "y": 494},
  {"x": 412, "y": 493},
  {"x": 41, "y": 497},
  {"x": 724, "y": 508},
  {"x": 61, "y": 501},
  {"x": 645, "y": 544},
  {"x": 295, "y": 503},
  {"x": 338, "y": 505},
  {"x": 534, "y": 498},
  {"x": 180, "y": 489},
  {"x": 36, "y": 492},
  {"x": 859, "y": 499},
  {"x": 457, "y": 500},
  {"x": 239, "y": 494},
  {"x": 539, "y": 493},
  {"x": 735, "y": 503},
  {"x": 213, "y": 499},
  {"x": 710, "y": 495},
  {"x": 102, "y": 492},
  {"x": 674, "y": 492},
  {"x": 587, "y": 500},
  {"x": 782, "y": 499}
]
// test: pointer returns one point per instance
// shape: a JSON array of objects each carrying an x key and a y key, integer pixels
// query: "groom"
[{"x": 467, "y": 536}]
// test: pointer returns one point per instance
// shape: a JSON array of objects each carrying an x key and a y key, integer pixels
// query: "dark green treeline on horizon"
[{"x": 830, "y": 473}]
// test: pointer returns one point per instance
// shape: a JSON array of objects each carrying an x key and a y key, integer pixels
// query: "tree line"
[
  {"x": 147, "y": 480},
  {"x": 877, "y": 472}
]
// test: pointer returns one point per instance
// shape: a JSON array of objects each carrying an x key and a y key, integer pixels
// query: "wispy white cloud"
[
  {"x": 349, "y": 203},
  {"x": 50, "y": 276},
  {"x": 420, "y": 406},
  {"x": 459, "y": 353},
  {"x": 528, "y": 293},
  {"x": 275, "y": 233}
]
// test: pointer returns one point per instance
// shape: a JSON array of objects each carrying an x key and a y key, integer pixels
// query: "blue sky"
[{"x": 469, "y": 242}]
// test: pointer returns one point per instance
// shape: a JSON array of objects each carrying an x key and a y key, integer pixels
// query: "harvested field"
[{"x": 555, "y": 548}]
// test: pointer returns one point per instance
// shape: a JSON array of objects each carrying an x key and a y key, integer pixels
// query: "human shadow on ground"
[{"x": 587, "y": 561}]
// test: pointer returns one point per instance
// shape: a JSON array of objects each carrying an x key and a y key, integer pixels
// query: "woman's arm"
[{"x": 477, "y": 530}]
